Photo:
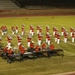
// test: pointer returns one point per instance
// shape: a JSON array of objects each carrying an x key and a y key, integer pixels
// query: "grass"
[{"x": 43, "y": 66}]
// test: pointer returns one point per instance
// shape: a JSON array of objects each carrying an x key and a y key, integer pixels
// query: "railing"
[{"x": 16, "y": 2}]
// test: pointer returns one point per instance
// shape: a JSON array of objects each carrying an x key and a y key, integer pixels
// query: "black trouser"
[{"x": 49, "y": 53}]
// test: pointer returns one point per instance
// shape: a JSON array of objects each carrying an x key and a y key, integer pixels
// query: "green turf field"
[{"x": 43, "y": 66}]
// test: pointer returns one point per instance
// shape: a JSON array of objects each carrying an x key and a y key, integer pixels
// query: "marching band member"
[
  {"x": 5, "y": 49},
  {"x": 54, "y": 29},
  {"x": 13, "y": 30},
  {"x": 9, "y": 41},
  {"x": 38, "y": 27},
  {"x": 58, "y": 38},
  {"x": 62, "y": 30},
  {"x": 47, "y": 29},
  {"x": 39, "y": 38},
  {"x": 16, "y": 29},
  {"x": 52, "y": 46},
  {"x": 40, "y": 30},
  {"x": 23, "y": 29},
  {"x": 29, "y": 40},
  {"x": 32, "y": 31},
  {"x": 37, "y": 48},
  {"x": 49, "y": 38},
  {"x": 73, "y": 36},
  {"x": 10, "y": 52},
  {"x": 22, "y": 51},
  {"x": 71, "y": 30},
  {"x": 43, "y": 46},
  {"x": 47, "y": 34},
  {"x": 19, "y": 39},
  {"x": 0, "y": 40},
  {"x": 65, "y": 37},
  {"x": 32, "y": 45},
  {"x": 3, "y": 29}
]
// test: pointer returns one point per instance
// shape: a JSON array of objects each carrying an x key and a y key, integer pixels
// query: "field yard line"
[
  {"x": 69, "y": 22},
  {"x": 70, "y": 54},
  {"x": 71, "y": 43},
  {"x": 21, "y": 68},
  {"x": 67, "y": 73}
]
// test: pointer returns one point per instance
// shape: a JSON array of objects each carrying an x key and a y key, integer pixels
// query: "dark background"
[{"x": 56, "y": 3}]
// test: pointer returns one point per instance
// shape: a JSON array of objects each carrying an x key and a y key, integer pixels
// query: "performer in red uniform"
[
  {"x": 32, "y": 31},
  {"x": 37, "y": 48},
  {"x": 32, "y": 44},
  {"x": 62, "y": 30},
  {"x": 58, "y": 38},
  {"x": 5, "y": 49},
  {"x": 3, "y": 30},
  {"x": 16, "y": 29},
  {"x": 19, "y": 39},
  {"x": 39, "y": 39},
  {"x": 0, "y": 40},
  {"x": 47, "y": 34},
  {"x": 40, "y": 30},
  {"x": 71, "y": 30},
  {"x": 38, "y": 27},
  {"x": 47, "y": 29},
  {"x": 49, "y": 39},
  {"x": 29, "y": 40},
  {"x": 43, "y": 46},
  {"x": 9, "y": 40},
  {"x": 23, "y": 29},
  {"x": 52, "y": 46},
  {"x": 13, "y": 30},
  {"x": 22, "y": 51},
  {"x": 54, "y": 28},
  {"x": 10, "y": 52},
  {"x": 65, "y": 37},
  {"x": 73, "y": 36}
]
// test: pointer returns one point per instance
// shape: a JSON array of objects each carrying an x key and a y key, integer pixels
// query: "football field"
[{"x": 40, "y": 66}]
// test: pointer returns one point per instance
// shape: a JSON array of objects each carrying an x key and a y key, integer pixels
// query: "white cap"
[
  {"x": 32, "y": 41},
  {"x": 9, "y": 47}
]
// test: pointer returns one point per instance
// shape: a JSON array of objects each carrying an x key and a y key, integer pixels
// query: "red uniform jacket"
[
  {"x": 58, "y": 36},
  {"x": 31, "y": 45},
  {"x": 73, "y": 35},
  {"x": 28, "y": 39},
  {"x": 10, "y": 51},
  {"x": 5, "y": 49},
  {"x": 65, "y": 34},
  {"x": 9, "y": 39},
  {"x": 22, "y": 50},
  {"x": 37, "y": 48},
  {"x": 43, "y": 46},
  {"x": 52, "y": 47},
  {"x": 19, "y": 38}
]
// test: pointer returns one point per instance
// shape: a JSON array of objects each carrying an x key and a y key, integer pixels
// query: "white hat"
[
  {"x": 9, "y": 47},
  {"x": 32, "y": 41}
]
